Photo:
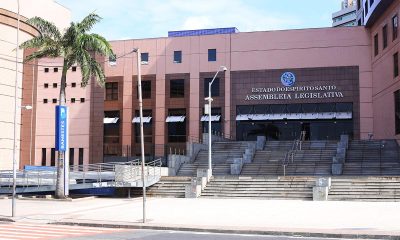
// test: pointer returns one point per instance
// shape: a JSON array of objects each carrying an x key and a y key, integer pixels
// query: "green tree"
[{"x": 76, "y": 46}]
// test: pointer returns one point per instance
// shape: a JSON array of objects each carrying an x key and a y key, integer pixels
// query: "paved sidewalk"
[{"x": 306, "y": 218}]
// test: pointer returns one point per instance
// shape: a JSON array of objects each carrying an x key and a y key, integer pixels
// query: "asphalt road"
[{"x": 177, "y": 235}]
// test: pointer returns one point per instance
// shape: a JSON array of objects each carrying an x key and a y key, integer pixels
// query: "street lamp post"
[
  {"x": 209, "y": 99},
  {"x": 137, "y": 50},
  {"x": 13, "y": 210}
]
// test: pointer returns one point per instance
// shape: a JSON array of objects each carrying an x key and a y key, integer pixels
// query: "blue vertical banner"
[{"x": 61, "y": 128}]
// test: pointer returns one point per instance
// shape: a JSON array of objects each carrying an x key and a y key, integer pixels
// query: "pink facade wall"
[
  {"x": 79, "y": 113},
  {"x": 384, "y": 83},
  {"x": 326, "y": 47}
]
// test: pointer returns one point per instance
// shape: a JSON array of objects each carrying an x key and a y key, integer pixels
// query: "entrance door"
[{"x": 306, "y": 128}]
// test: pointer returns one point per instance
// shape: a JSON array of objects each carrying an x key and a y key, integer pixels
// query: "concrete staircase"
[
  {"x": 315, "y": 158},
  {"x": 365, "y": 189},
  {"x": 222, "y": 154},
  {"x": 260, "y": 187},
  {"x": 166, "y": 187},
  {"x": 373, "y": 158}
]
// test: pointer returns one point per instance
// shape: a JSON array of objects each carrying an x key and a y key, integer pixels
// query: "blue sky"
[{"x": 127, "y": 19}]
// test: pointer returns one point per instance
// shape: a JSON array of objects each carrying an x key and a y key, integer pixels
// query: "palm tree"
[{"x": 77, "y": 47}]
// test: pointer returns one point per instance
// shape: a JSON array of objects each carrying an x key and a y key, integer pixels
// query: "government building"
[{"x": 324, "y": 82}]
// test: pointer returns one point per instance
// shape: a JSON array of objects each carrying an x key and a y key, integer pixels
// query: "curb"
[{"x": 231, "y": 231}]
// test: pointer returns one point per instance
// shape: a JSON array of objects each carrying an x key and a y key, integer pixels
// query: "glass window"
[
  {"x": 397, "y": 111},
  {"x": 177, "y": 56},
  {"x": 261, "y": 109},
  {"x": 177, "y": 88},
  {"x": 246, "y": 109},
  {"x": 112, "y": 60},
  {"x": 310, "y": 108},
  {"x": 376, "y": 45},
  {"x": 45, "y": 100},
  {"x": 326, "y": 107},
  {"x": 371, "y": 2},
  {"x": 294, "y": 108},
  {"x": 366, "y": 8},
  {"x": 344, "y": 107},
  {"x": 72, "y": 100},
  {"x": 112, "y": 91},
  {"x": 147, "y": 127},
  {"x": 46, "y": 70},
  {"x": 53, "y": 157},
  {"x": 74, "y": 69},
  {"x": 54, "y": 85},
  {"x": 111, "y": 131},
  {"x": 395, "y": 23},
  {"x": 177, "y": 130},
  {"x": 55, "y": 69},
  {"x": 278, "y": 108},
  {"x": 46, "y": 85},
  {"x": 54, "y": 100},
  {"x": 146, "y": 90},
  {"x": 214, "y": 87},
  {"x": 73, "y": 84},
  {"x": 396, "y": 64},
  {"x": 144, "y": 57},
  {"x": 384, "y": 36},
  {"x": 212, "y": 55},
  {"x": 71, "y": 156},
  {"x": 80, "y": 156},
  {"x": 82, "y": 100},
  {"x": 44, "y": 157}
]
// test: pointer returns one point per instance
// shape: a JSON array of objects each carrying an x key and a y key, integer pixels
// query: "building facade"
[
  {"x": 325, "y": 82},
  {"x": 347, "y": 16},
  {"x": 47, "y": 9}
]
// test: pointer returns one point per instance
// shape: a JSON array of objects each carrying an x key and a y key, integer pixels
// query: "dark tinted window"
[
  {"x": 177, "y": 56},
  {"x": 384, "y": 36},
  {"x": 177, "y": 88},
  {"x": 395, "y": 23},
  {"x": 71, "y": 156},
  {"x": 212, "y": 55},
  {"x": 74, "y": 69},
  {"x": 46, "y": 85},
  {"x": 44, "y": 157},
  {"x": 376, "y": 45},
  {"x": 53, "y": 157},
  {"x": 55, "y": 69},
  {"x": 144, "y": 58},
  {"x": 214, "y": 87},
  {"x": 396, "y": 64},
  {"x": 397, "y": 111},
  {"x": 146, "y": 90},
  {"x": 46, "y": 70},
  {"x": 112, "y": 91},
  {"x": 80, "y": 156}
]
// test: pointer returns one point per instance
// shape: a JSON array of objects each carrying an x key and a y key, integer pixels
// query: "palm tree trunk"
[{"x": 61, "y": 155}]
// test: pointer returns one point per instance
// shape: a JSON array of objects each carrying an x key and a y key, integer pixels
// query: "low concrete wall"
[{"x": 175, "y": 162}]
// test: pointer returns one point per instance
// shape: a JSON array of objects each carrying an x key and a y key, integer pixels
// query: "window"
[
  {"x": 71, "y": 156},
  {"x": 111, "y": 91},
  {"x": 366, "y": 8},
  {"x": 146, "y": 90},
  {"x": 54, "y": 85},
  {"x": 177, "y": 130},
  {"x": 358, "y": 5},
  {"x": 397, "y": 111},
  {"x": 45, "y": 100},
  {"x": 144, "y": 58},
  {"x": 147, "y": 127},
  {"x": 212, "y": 55},
  {"x": 82, "y": 100},
  {"x": 396, "y": 65},
  {"x": 54, "y": 100},
  {"x": 44, "y": 163},
  {"x": 376, "y": 45},
  {"x": 395, "y": 23},
  {"x": 214, "y": 87},
  {"x": 55, "y": 69},
  {"x": 53, "y": 157},
  {"x": 177, "y": 56},
  {"x": 384, "y": 36},
  {"x": 112, "y": 60},
  {"x": 74, "y": 69},
  {"x": 371, "y": 2},
  {"x": 80, "y": 156},
  {"x": 46, "y": 85},
  {"x": 72, "y": 100},
  {"x": 73, "y": 84},
  {"x": 46, "y": 70},
  {"x": 177, "y": 88}
]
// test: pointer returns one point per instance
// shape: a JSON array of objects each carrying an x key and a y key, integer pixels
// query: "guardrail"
[{"x": 118, "y": 174}]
